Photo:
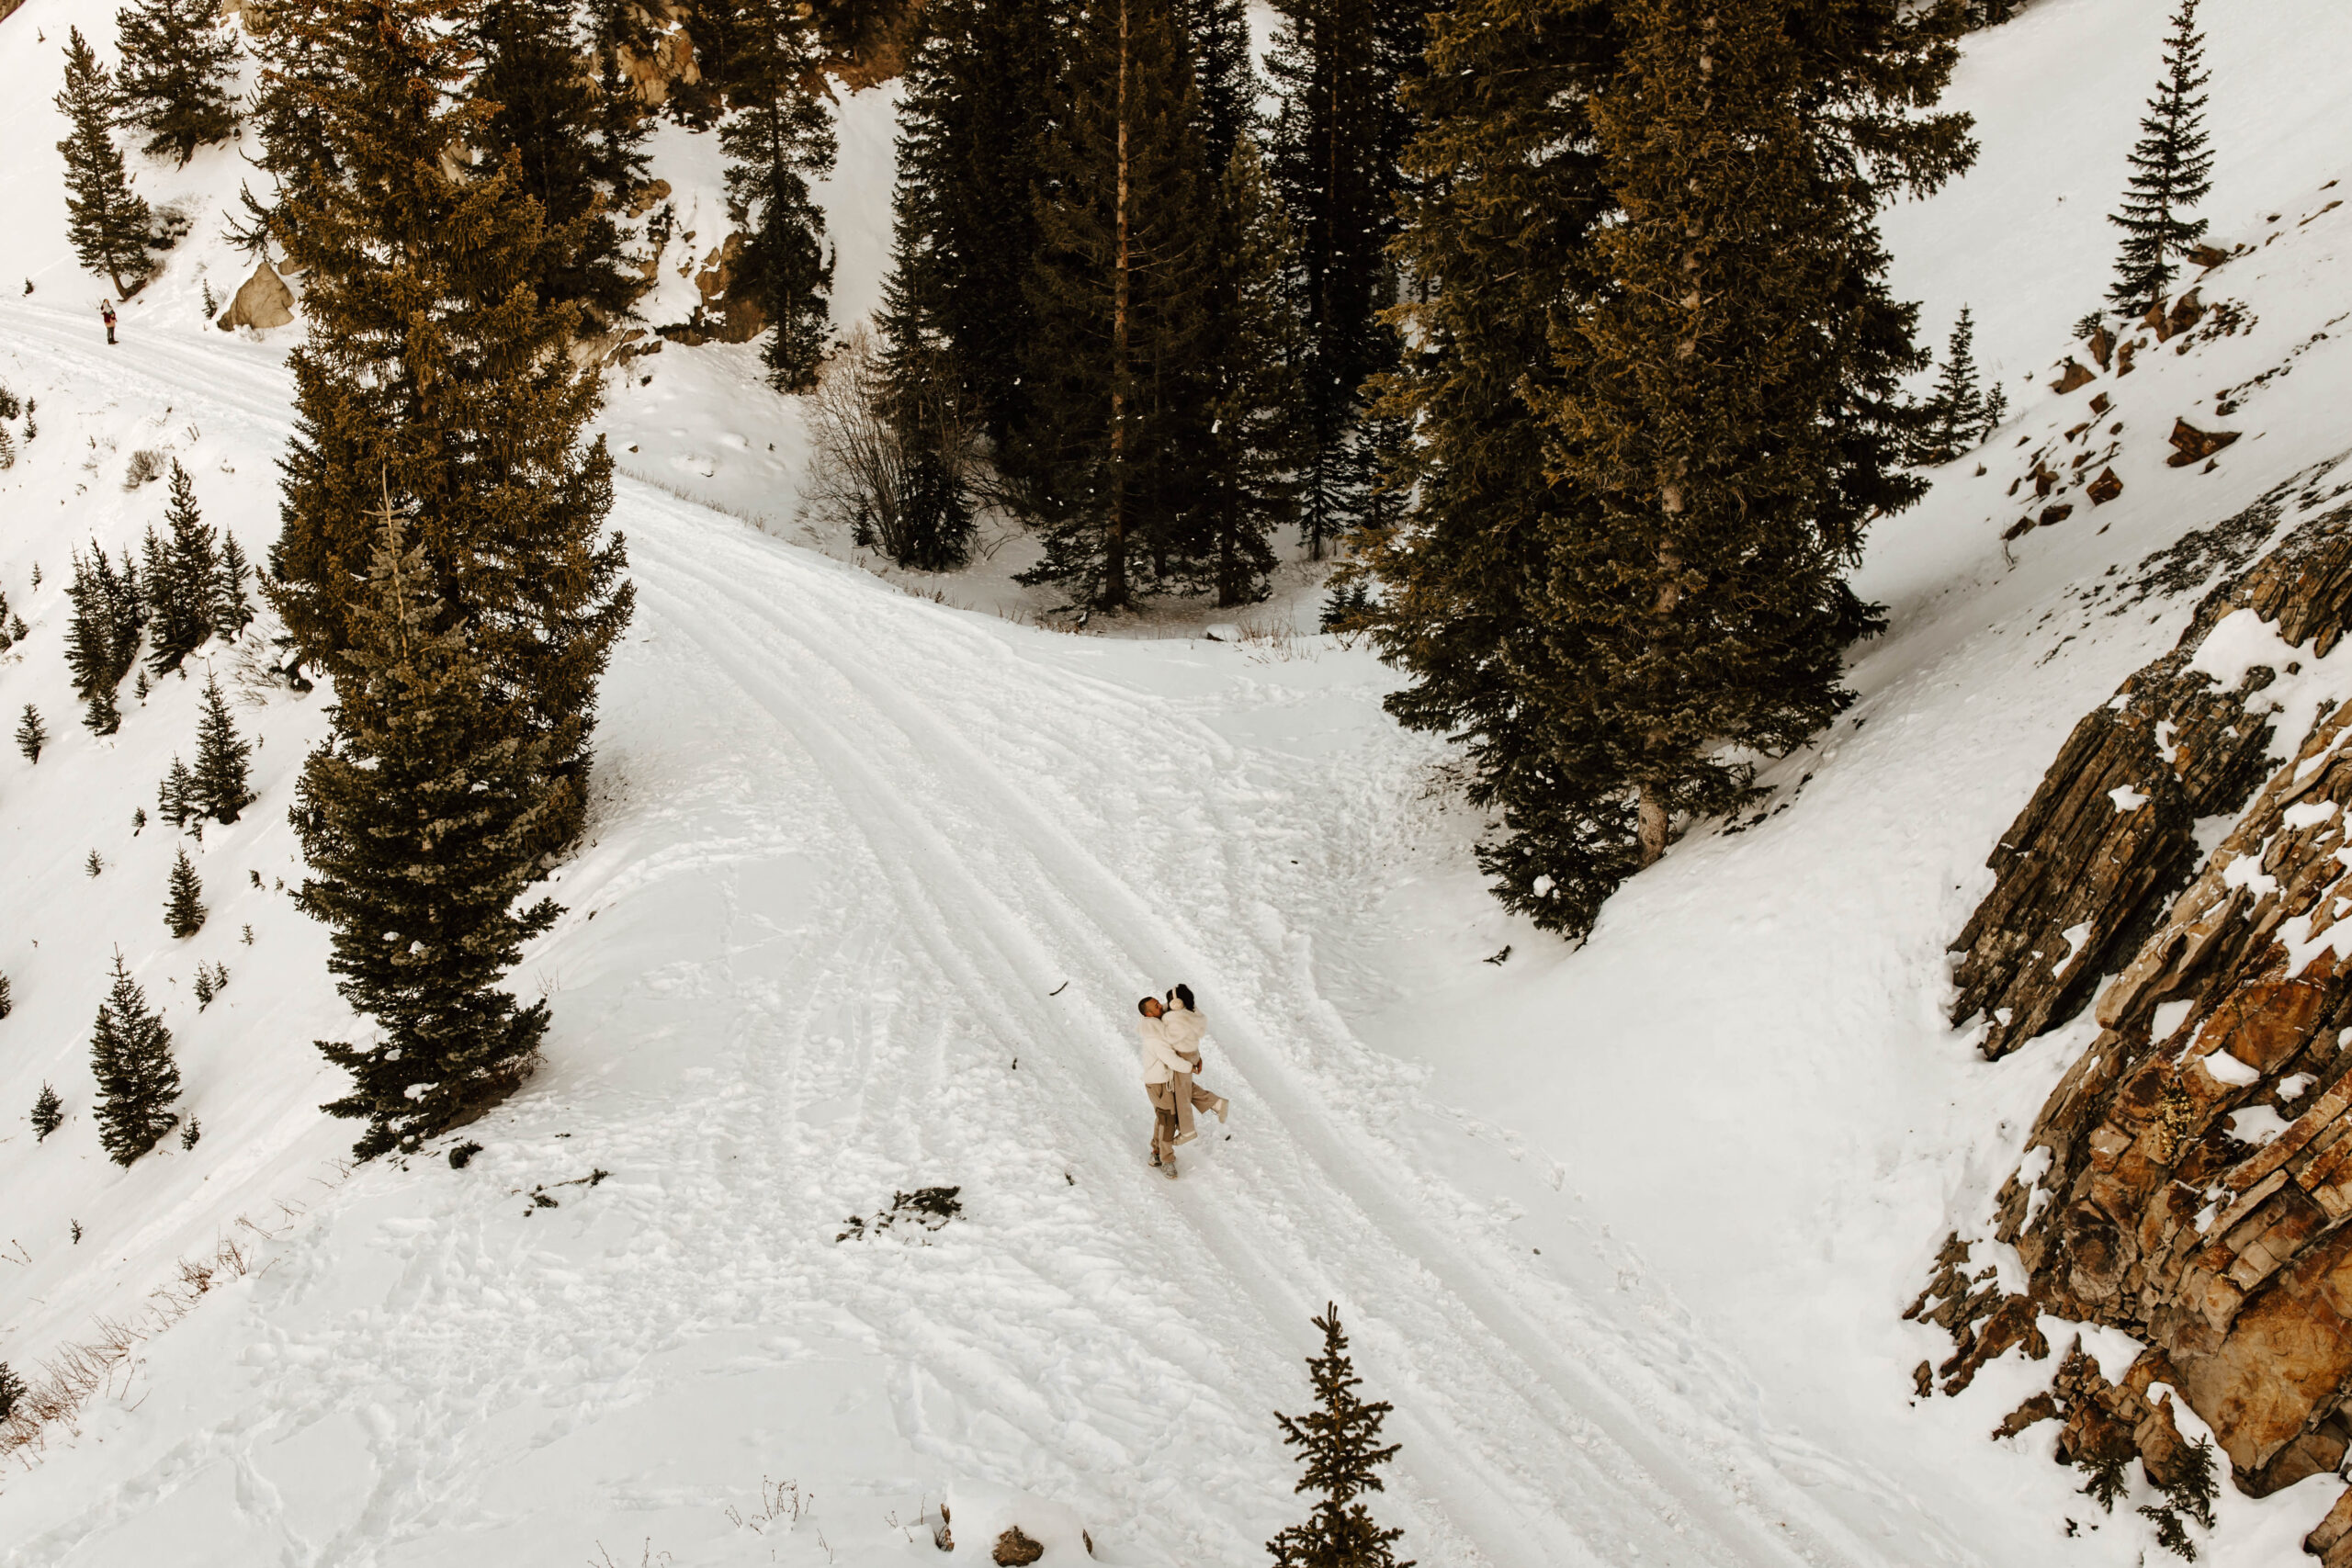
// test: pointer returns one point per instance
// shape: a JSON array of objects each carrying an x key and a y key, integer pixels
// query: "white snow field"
[{"x": 1624, "y": 1231}]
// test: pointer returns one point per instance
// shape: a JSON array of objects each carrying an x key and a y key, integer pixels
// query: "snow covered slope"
[{"x": 872, "y": 883}]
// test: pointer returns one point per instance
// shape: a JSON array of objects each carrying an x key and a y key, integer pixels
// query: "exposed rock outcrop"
[
  {"x": 262, "y": 301},
  {"x": 2189, "y": 1179},
  {"x": 2082, "y": 874}
]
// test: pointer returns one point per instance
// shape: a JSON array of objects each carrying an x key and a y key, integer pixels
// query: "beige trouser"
[
  {"x": 1191, "y": 1096},
  {"x": 1163, "y": 1121}
]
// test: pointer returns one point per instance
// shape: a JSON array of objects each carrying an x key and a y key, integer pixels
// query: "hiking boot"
[{"x": 1168, "y": 1167}]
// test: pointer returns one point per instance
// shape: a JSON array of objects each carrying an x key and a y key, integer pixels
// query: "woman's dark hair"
[{"x": 1183, "y": 993}]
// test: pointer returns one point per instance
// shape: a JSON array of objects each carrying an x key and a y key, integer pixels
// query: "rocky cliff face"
[{"x": 2190, "y": 1179}]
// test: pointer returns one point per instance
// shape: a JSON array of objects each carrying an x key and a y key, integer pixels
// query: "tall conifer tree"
[
  {"x": 139, "y": 1082},
  {"x": 774, "y": 143},
  {"x": 1342, "y": 67},
  {"x": 980, "y": 91},
  {"x": 1119, "y": 291},
  {"x": 2172, "y": 170},
  {"x": 1622, "y": 558},
  {"x": 418, "y": 819},
  {"x": 436, "y": 380},
  {"x": 577, "y": 142},
  {"x": 106, "y": 221},
  {"x": 178, "y": 64},
  {"x": 1257, "y": 440}
]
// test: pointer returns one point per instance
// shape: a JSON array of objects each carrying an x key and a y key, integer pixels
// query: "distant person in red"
[{"x": 106, "y": 314}]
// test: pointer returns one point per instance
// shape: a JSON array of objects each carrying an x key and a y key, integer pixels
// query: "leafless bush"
[
  {"x": 78, "y": 1372},
  {"x": 145, "y": 468},
  {"x": 895, "y": 463}
]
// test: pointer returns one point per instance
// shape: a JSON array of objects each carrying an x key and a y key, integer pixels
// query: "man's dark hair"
[{"x": 1143, "y": 1005}]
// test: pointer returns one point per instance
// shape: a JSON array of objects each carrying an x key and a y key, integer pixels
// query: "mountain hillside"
[{"x": 1624, "y": 1231}]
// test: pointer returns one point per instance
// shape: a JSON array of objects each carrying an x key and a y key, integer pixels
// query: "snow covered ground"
[{"x": 1623, "y": 1232}]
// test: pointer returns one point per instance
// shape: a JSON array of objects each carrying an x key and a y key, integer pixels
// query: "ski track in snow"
[{"x": 934, "y": 820}]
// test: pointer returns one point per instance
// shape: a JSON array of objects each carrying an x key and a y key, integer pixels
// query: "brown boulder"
[
  {"x": 1017, "y": 1548},
  {"x": 2102, "y": 345},
  {"x": 2192, "y": 444},
  {"x": 2058, "y": 514},
  {"x": 2208, "y": 256},
  {"x": 2105, "y": 487},
  {"x": 261, "y": 302},
  {"x": 2123, "y": 358},
  {"x": 2071, "y": 374}
]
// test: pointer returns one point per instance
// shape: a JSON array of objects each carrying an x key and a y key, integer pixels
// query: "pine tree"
[
  {"x": 1577, "y": 592},
  {"x": 1256, "y": 441},
  {"x": 432, "y": 380},
  {"x": 979, "y": 97},
  {"x": 191, "y": 1134},
  {"x": 774, "y": 143},
  {"x": 577, "y": 143},
  {"x": 130, "y": 1057},
  {"x": 177, "y": 67},
  {"x": 106, "y": 219},
  {"x": 1996, "y": 413},
  {"x": 7, "y": 1005},
  {"x": 218, "y": 787},
  {"x": 12, "y": 1391},
  {"x": 1954, "y": 413},
  {"x": 49, "y": 1114},
  {"x": 1340, "y": 1442},
  {"x": 31, "y": 734},
  {"x": 182, "y": 581},
  {"x": 184, "y": 909},
  {"x": 419, "y": 818},
  {"x": 1115, "y": 367},
  {"x": 175, "y": 802},
  {"x": 2172, "y": 168},
  {"x": 102, "y": 639},
  {"x": 1340, "y": 67},
  {"x": 230, "y": 610}
]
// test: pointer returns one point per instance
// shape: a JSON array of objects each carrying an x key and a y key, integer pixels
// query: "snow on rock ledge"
[{"x": 998, "y": 1525}]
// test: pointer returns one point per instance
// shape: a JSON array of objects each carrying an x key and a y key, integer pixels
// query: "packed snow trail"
[{"x": 850, "y": 843}]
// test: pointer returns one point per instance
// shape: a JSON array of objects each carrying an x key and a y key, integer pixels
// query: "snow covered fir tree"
[{"x": 788, "y": 778}]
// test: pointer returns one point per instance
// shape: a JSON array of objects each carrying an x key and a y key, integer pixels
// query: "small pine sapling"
[
  {"x": 184, "y": 910},
  {"x": 190, "y": 1134},
  {"x": 2172, "y": 171},
  {"x": 1341, "y": 1440},
  {"x": 93, "y": 864},
  {"x": 12, "y": 1391},
  {"x": 175, "y": 799},
  {"x": 7, "y": 1003},
  {"x": 141, "y": 689},
  {"x": 17, "y": 629},
  {"x": 131, "y": 1057},
  {"x": 210, "y": 981},
  {"x": 31, "y": 734},
  {"x": 75, "y": 1225},
  {"x": 48, "y": 1113},
  {"x": 138, "y": 820},
  {"x": 221, "y": 789},
  {"x": 233, "y": 610}
]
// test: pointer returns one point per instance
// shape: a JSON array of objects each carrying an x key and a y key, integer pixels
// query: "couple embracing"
[{"x": 1171, "y": 1027}]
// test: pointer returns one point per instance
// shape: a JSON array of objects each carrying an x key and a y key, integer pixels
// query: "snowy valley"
[{"x": 875, "y": 863}]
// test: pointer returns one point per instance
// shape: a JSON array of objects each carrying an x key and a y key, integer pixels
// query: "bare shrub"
[
  {"x": 895, "y": 458},
  {"x": 145, "y": 468},
  {"x": 76, "y": 1373}
]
